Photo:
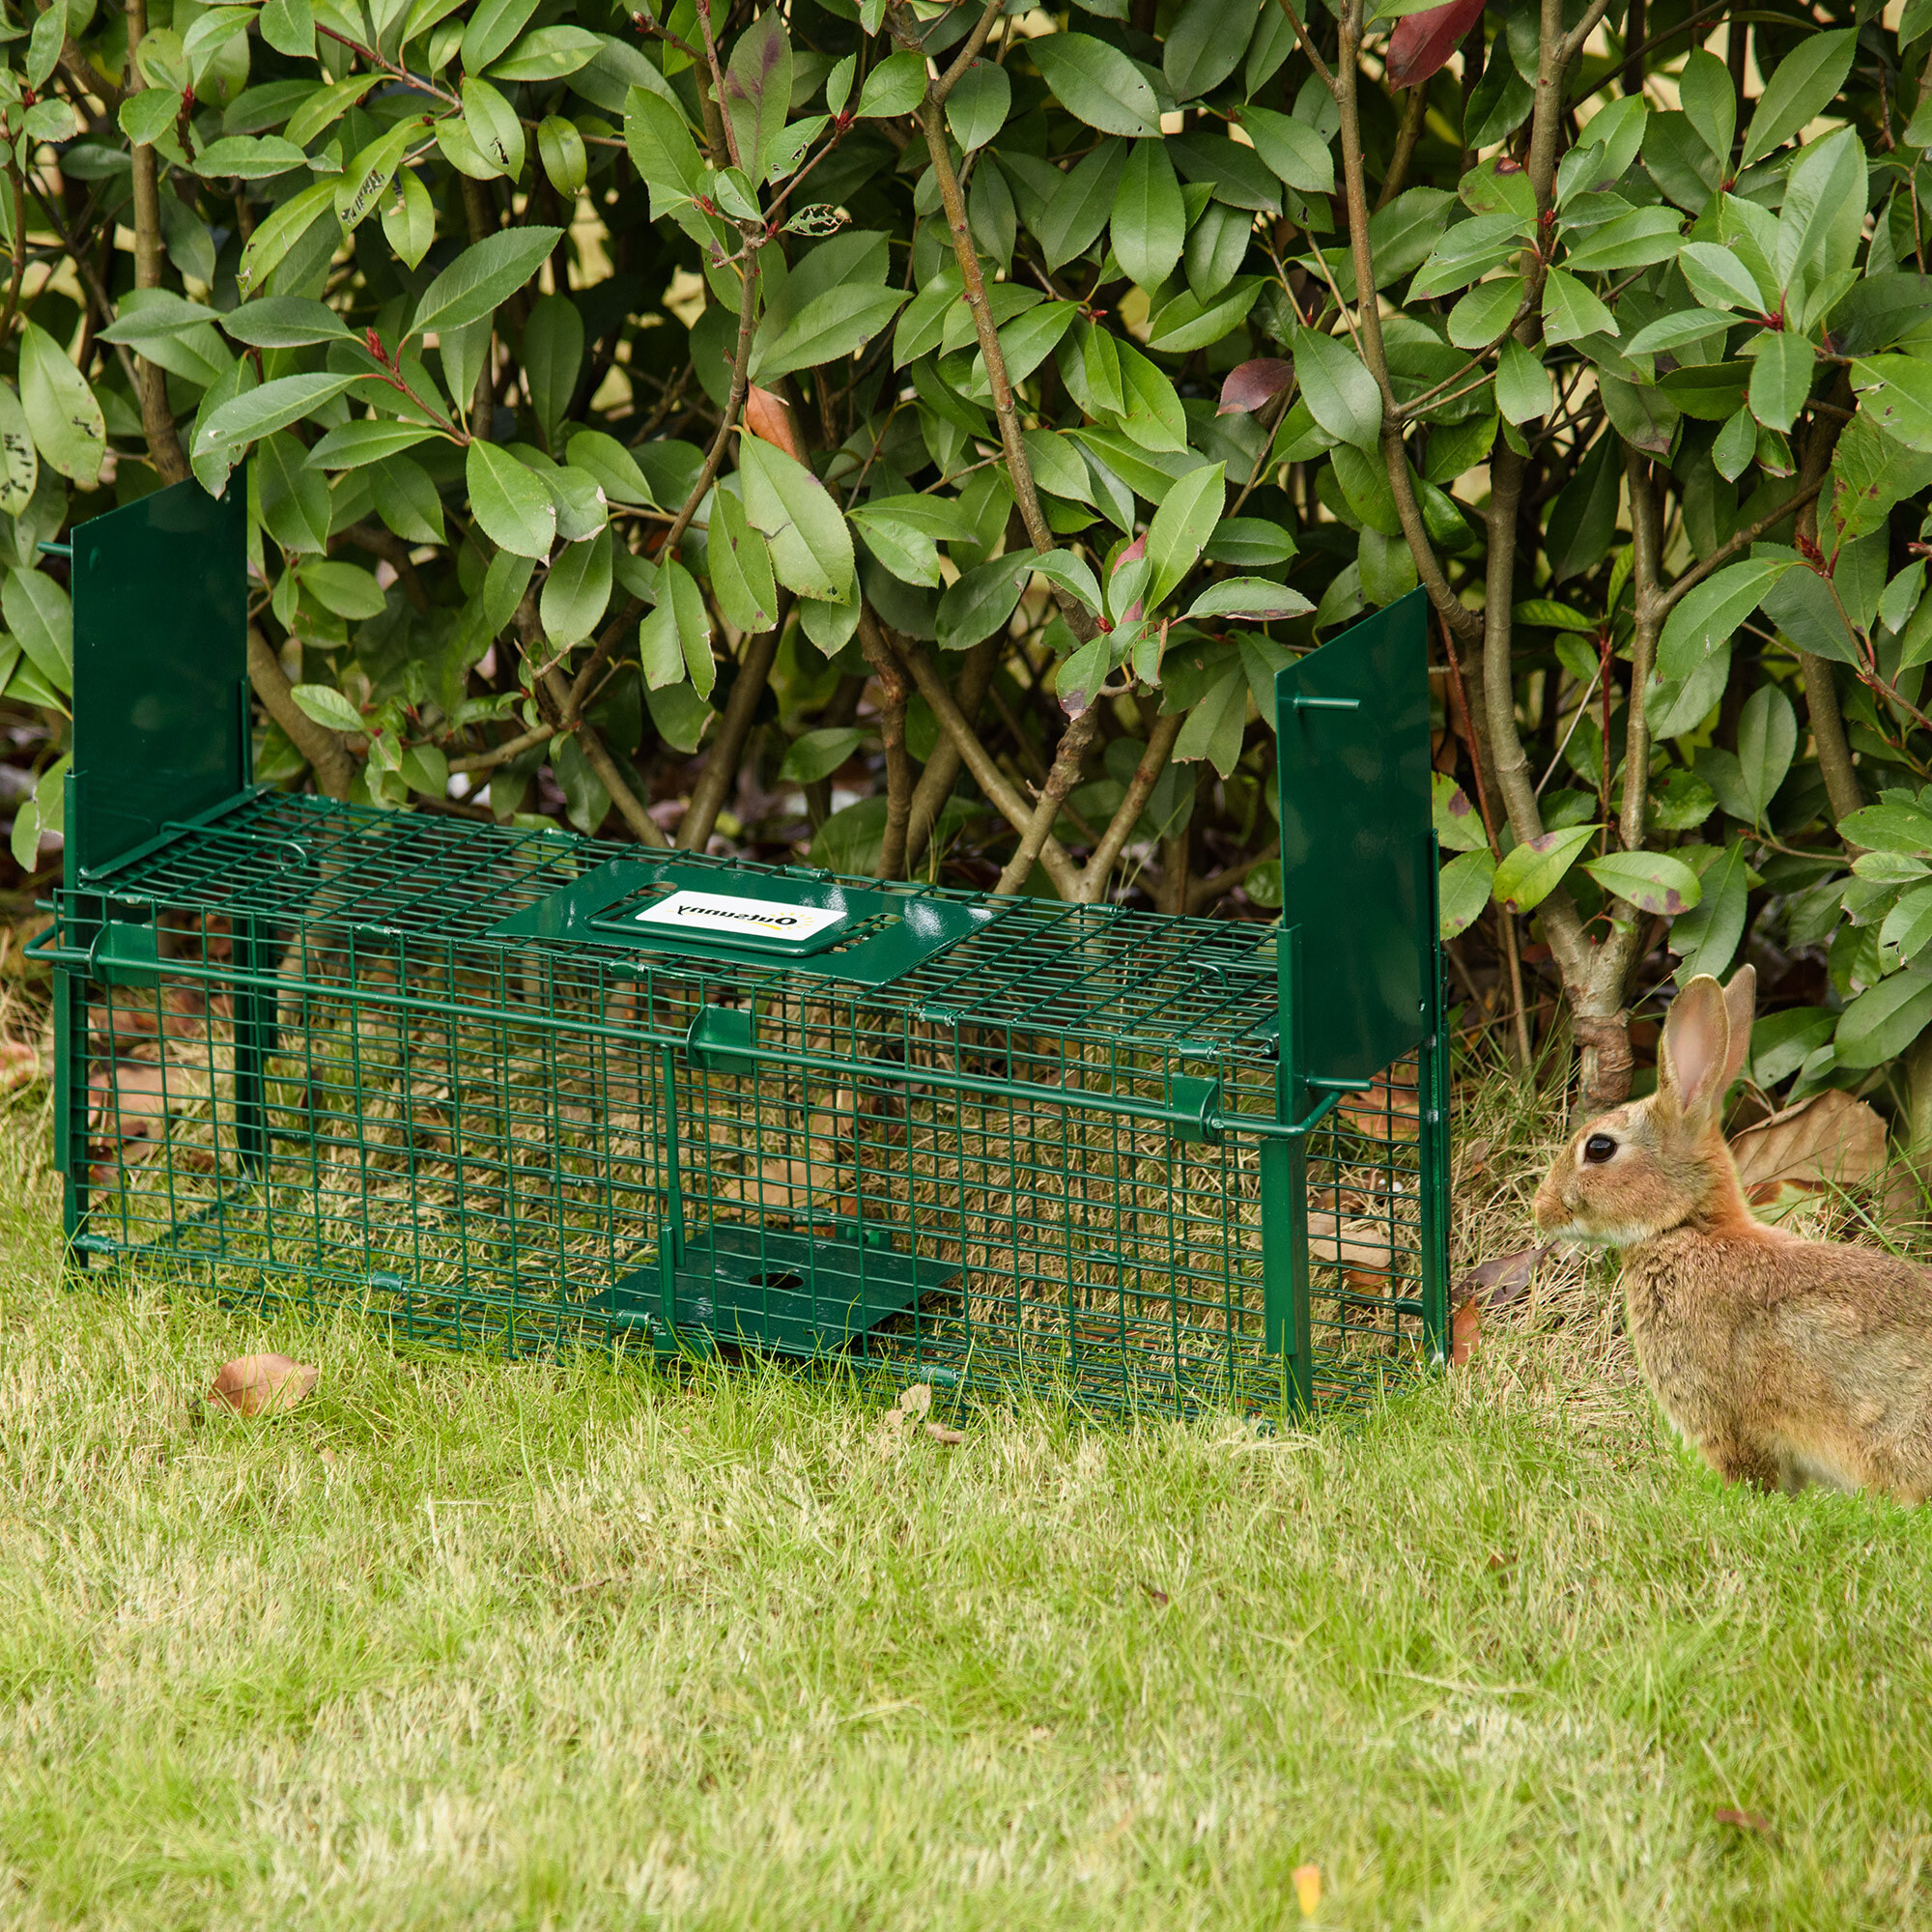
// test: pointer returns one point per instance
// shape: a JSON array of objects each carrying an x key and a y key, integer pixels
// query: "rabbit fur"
[{"x": 1783, "y": 1361}]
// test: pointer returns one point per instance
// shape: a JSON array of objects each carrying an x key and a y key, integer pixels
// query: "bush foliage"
[{"x": 914, "y": 434}]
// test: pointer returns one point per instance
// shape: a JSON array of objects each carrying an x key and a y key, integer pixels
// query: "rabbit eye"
[{"x": 1599, "y": 1148}]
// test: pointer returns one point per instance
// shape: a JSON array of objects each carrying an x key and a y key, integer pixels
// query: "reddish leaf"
[
  {"x": 1745, "y": 1821},
  {"x": 768, "y": 417},
  {"x": 1251, "y": 383},
  {"x": 1503, "y": 1280},
  {"x": 254, "y": 1384},
  {"x": 1423, "y": 41},
  {"x": 1465, "y": 1328}
]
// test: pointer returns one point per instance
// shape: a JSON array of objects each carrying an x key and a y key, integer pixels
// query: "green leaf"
[
  {"x": 1767, "y": 744},
  {"x": 1718, "y": 280},
  {"x": 1906, "y": 927},
  {"x": 1735, "y": 446},
  {"x": 981, "y": 603},
  {"x": 1341, "y": 395},
  {"x": 811, "y": 548},
  {"x": 279, "y": 231},
  {"x": 675, "y": 639},
  {"x": 1296, "y": 154},
  {"x": 816, "y": 754},
  {"x": 1182, "y": 527},
  {"x": 1463, "y": 889},
  {"x": 549, "y": 53},
  {"x": 1884, "y": 1019},
  {"x": 515, "y": 510},
  {"x": 1636, "y": 240},
  {"x": 1706, "y": 939},
  {"x": 328, "y": 706},
  {"x": 1149, "y": 223},
  {"x": 44, "y": 45},
  {"x": 561, "y": 150},
  {"x": 1889, "y": 828},
  {"x": 1079, "y": 207},
  {"x": 491, "y": 30},
  {"x": 1459, "y": 827},
  {"x": 370, "y": 440},
  {"x": 20, "y": 463},
  {"x": 1188, "y": 324},
  {"x": 1780, "y": 378},
  {"x": 828, "y": 328},
  {"x": 1806, "y": 81},
  {"x": 68, "y": 427},
  {"x": 1523, "y": 384},
  {"x": 1216, "y": 724},
  {"x": 1707, "y": 616},
  {"x": 1571, "y": 312},
  {"x": 662, "y": 149},
  {"x": 758, "y": 96},
  {"x": 1651, "y": 881},
  {"x": 1552, "y": 615},
  {"x": 409, "y": 218},
  {"x": 39, "y": 614},
  {"x": 147, "y": 315},
  {"x": 1097, "y": 83},
  {"x": 553, "y": 355},
  {"x": 1252, "y": 597},
  {"x": 1533, "y": 869},
  {"x": 363, "y": 180},
  {"x": 1485, "y": 312},
  {"x": 741, "y": 567},
  {"x": 495, "y": 129},
  {"x": 1896, "y": 394},
  {"x": 285, "y": 322},
  {"x": 480, "y": 278},
  {"x": 894, "y": 87},
  {"x": 241, "y": 159},
  {"x": 274, "y": 405},
  {"x": 977, "y": 108},
  {"x": 342, "y": 587},
  {"x": 576, "y": 590},
  {"x": 289, "y": 27},
  {"x": 1206, "y": 44}
]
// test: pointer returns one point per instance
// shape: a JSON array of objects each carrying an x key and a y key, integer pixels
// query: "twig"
[
  {"x": 157, "y": 421},
  {"x": 893, "y": 691},
  {"x": 734, "y": 727},
  {"x": 1126, "y": 816}
]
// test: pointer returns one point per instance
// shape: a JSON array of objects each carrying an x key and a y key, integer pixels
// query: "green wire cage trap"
[{"x": 514, "y": 1086}]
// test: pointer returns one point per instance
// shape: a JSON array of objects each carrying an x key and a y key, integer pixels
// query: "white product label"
[{"x": 719, "y": 917}]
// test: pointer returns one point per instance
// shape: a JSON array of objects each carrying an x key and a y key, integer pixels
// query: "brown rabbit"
[{"x": 1785, "y": 1361}]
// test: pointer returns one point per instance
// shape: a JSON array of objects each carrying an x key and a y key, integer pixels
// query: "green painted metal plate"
[
  {"x": 799, "y": 1295},
  {"x": 807, "y": 924},
  {"x": 160, "y": 667},
  {"x": 1357, "y": 859}
]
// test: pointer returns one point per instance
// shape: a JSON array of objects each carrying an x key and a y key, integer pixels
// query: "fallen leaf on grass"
[
  {"x": 916, "y": 1399},
  {"x": 262, "y": 1384},
  {"x": 1390, "y": 1110},
  {"x": 1745, "y": 1821},
  {"x": 1308, "y": 1889},
  {"x": 1503, "y": 1280},
  {"x": 939, "y": 1432},
  {"x": 1466, "y": 1329},
  {"x": 1359, "y": 1245},
  {"x": 1158, "y": 1595},
  {"x": 20, "y": 1065},
  {"x": 1829, "y": 1138}
]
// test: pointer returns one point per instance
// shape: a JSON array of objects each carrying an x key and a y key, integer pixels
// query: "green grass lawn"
[{"x": 472, "y": 1645}]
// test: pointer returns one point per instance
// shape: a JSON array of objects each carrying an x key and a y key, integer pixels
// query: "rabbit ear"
[
  {"x": 1696, "y": 1043},
  {"x": 1740, "y": 1010}
]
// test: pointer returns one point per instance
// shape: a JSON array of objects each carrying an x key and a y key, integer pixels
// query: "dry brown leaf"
[
  {"x": 1390, "y": 1110},
  {"x": 1502, "y": 1281},
  {"x": 916, "y": 1400},
  {"x": 769, "y": 418},
  {"x": 1465, "y": 1330},
  {"x": 20, "y": 1065},
  {"x": 1358, "y": 1244},
  {"x": 939, "y": 1432},
  {"x": 1745, "y": 1821},
  {"x": 1158, "y": 1595},
  {"x": 1830, "y": 1138},
  {"x": 262, "y": 1384}
]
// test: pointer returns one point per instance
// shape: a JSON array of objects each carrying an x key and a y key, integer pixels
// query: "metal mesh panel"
[{"x": 1031, "y": 1159}]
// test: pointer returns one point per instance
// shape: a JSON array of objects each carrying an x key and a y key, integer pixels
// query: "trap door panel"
[
  {"x": 160, "y": 668},
  {"x": 1358, "y": 856}
]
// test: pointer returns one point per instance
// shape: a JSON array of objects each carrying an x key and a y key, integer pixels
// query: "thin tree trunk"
[{"x": 157, "y": 418}]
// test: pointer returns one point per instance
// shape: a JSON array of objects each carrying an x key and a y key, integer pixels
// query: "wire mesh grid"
[{"x": 323, "y": 1080}]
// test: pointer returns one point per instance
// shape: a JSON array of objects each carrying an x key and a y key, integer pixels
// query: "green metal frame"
[{"x": 442, "y": 1071}]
